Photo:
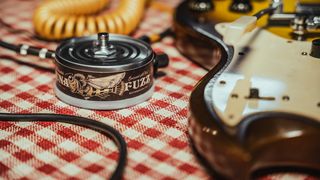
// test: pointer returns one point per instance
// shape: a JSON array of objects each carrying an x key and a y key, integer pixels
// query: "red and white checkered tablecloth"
[{"x": 155, "y": 130}]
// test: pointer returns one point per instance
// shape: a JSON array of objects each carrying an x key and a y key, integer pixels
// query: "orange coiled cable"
[{"x": 59, "y": 19}]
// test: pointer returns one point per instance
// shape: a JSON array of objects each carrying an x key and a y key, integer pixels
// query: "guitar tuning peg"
[
  {"x": 201, "y": 6},
  {"x": 240, "y": 6}
]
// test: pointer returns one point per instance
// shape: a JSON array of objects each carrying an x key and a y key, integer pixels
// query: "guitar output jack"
[{"x": 107, "y": 71}]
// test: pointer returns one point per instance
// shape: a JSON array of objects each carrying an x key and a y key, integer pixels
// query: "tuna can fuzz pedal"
[{"x": 105, "y": 72}]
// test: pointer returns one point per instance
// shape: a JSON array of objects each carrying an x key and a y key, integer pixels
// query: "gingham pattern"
[{"x": 155, "y": 131}]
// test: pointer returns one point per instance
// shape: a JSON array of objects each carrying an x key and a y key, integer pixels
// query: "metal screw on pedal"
[{"x": 104, "y": 48}]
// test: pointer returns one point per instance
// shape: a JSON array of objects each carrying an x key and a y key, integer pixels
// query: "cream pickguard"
[{"x": 280, "y": 74}]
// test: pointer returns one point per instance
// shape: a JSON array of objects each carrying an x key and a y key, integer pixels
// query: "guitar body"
[{"x": 258, "y": 107}]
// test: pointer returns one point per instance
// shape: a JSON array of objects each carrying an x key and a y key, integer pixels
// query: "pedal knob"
[
  {"x": 315, "y": 49},
  {"x": 240, "y": 6},
  {"x": 201, "y": 6}
]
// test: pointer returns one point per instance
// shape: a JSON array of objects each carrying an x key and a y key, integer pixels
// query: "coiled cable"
[{"x": 60, "y": 19}]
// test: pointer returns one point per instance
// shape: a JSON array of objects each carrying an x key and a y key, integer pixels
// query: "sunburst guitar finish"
[{"x": 258, "y": 107}]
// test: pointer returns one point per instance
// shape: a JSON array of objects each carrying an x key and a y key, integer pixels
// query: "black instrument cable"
[
  {"x": 24, "y": 49},
  {"x": 106, "y": 130}
]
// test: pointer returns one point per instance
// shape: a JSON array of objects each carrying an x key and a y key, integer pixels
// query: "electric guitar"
[{"x": 258, "y": 107}]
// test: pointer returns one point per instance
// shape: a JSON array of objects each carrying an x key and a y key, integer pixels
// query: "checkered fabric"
[{"x": 155, "y": 130}]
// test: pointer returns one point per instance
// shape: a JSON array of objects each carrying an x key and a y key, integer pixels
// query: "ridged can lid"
[{"x": 104, "y": 53}]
